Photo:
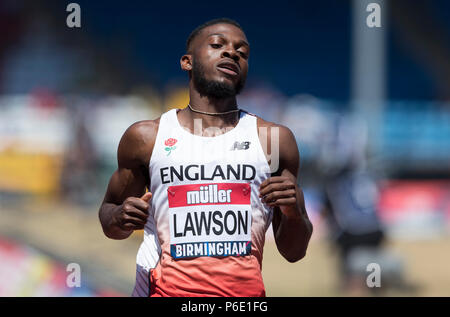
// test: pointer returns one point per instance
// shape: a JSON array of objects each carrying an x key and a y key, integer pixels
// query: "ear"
[{"x": 186, "y": 62}]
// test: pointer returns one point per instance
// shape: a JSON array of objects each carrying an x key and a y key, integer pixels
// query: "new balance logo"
[{"x": 240, "y": 145}]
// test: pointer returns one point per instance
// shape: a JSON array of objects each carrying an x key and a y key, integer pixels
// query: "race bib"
[{"x": 210, "y": 220}]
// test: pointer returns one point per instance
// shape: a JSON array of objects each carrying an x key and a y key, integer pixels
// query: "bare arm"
[
  {"x": 125, "y": 205},
  {"x": 291, "y": 225}
]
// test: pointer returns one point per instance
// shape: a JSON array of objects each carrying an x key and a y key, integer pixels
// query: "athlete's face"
[{"x": 220, "y": 60}]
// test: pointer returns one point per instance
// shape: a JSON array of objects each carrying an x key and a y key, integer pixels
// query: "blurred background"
[{"x": 370, "y": 108}]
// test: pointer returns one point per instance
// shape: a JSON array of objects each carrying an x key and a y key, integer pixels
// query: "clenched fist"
[
  {"x": 133, "y": 213},
  {"x": 280, "y": 191}
]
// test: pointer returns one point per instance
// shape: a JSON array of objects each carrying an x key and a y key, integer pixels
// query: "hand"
[
  {"x": 280, "y": 191},
  {"x": 133, "y": 213}
]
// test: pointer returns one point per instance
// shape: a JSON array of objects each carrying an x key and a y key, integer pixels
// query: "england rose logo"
[{"x": 170, "y": 145}]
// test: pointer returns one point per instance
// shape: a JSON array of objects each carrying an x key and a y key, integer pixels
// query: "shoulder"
[
  {"x": 284, "y": 133},
  {"x": 143, "y": 129},
  {"x": 281, "y": 141},
  {"x": 136, "y": 144}
]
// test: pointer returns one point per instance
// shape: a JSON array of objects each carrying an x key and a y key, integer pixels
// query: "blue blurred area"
[
  {"x": 300, "y": 47},
  {"x": 416, "y": 133},
  {"x": 284, "y": 50}
]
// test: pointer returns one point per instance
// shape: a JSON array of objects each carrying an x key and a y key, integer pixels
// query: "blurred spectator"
[
  {"x": 350, "y": 202},
  {"x": 79, "y": 177},
  {"x": 10, "y": 12}
]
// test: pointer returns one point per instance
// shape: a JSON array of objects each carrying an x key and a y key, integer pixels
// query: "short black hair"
[{"x": 197, "y": 30}]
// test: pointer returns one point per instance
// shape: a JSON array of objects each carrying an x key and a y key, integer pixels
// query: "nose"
[{"x": 230, "y": 52}]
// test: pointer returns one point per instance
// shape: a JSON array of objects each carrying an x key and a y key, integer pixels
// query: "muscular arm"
[
  {"x": 128, "y": 183},
  {"x": 291, "y": 225}
]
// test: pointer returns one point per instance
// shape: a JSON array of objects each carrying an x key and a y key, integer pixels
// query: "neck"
[
  {"x": 212, "y": 113},
  {"x": 210, "y": 104}
]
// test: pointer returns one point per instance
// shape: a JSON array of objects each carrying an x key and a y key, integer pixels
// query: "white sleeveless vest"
[{"x": 206, "y": 227}]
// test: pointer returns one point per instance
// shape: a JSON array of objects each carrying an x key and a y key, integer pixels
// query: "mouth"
[{"x": 229, "y": 68}]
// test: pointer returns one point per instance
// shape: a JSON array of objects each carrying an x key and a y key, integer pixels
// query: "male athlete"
[{"x": 213, "y": 189}]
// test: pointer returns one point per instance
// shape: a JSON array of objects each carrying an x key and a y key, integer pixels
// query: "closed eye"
[
  {"x": 216, "y": 45},
  {"x": 243, "y": 55}
]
